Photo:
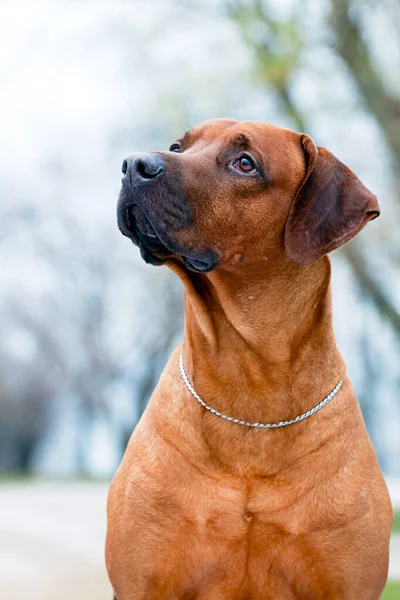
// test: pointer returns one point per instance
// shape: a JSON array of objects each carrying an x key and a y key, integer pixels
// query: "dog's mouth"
[{"x": 135, "y": 225}]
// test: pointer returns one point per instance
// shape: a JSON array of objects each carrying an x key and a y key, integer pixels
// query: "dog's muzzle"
[{"x": 143, "y": 217}]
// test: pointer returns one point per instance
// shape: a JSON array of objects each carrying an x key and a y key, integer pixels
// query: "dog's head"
[{"x": 229, "y": 192}]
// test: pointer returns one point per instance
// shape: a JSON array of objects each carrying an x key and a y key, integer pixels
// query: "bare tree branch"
[
  {"x": 354, "y": 51},
  {"x": 273, "y": 66},
  {"x": 372, "y": 289}
]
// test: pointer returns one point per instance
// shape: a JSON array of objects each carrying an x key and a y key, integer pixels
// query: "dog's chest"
[{"x": 216, "y": 542}]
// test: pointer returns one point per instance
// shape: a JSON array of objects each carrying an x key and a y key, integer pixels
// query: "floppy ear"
[{"x": 329, "y": 209}]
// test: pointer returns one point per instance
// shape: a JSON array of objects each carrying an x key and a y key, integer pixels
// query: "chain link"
[{"x": 215, "y": 412}]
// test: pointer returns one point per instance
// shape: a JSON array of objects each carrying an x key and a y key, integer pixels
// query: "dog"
[{"x": 250, "y": 475}]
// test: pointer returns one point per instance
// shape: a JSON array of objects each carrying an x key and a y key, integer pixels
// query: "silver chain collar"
[{"x": 215, "y": 412}]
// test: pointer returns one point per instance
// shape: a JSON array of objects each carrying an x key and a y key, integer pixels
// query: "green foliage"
[
  {"x": 278, "y": 45},
  {"x": 392, "y": 591},
  {"x": 396, "y": 523}
]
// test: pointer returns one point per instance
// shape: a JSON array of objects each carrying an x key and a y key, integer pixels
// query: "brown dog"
[{"x": 206, "y": 508}]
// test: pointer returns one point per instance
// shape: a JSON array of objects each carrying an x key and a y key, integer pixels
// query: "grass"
[
  {"x": 391, "y": 591},
  {"x": 396, "y": 523}
]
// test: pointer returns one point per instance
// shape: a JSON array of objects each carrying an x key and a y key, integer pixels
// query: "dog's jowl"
[{"x": 250, "y": 475}]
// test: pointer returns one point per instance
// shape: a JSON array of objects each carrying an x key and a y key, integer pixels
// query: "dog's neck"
[{"x": 258, "y": 341}]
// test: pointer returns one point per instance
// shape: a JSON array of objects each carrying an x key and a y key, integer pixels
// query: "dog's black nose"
[{"x": 141, "y": 167}]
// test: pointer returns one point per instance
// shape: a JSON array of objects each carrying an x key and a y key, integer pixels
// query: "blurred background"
[{"x": 85, "y": 325}]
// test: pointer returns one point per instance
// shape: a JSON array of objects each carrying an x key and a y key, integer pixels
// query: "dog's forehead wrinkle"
[
  {"x": 213, "y": 126},
  {"x": 250, "y": 131},
  {"x": 247, "y": 135},
  {"x": 241, "y": 140}
]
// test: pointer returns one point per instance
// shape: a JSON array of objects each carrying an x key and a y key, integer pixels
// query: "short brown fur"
[{"x": 203, "y": 509}]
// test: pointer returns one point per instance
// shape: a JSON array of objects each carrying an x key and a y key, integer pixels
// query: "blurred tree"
[
  {"x": 83, "y": 321},
  {"x": 71, "y": 330},
  {"x": 349, "y": 40},
  {"x": 24, "y": 410},
  {"x": 280, "y": 50}
]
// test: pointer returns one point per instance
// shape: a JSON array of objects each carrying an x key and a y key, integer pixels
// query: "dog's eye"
[
  {"x": 175, "y": 147},
  {"x": 245, "y": 164}
]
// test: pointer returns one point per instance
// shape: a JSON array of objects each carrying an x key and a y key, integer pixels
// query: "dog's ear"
[{"x": 330, "y": 207}]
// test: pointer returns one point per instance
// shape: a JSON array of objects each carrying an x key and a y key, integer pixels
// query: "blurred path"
[
  {"x": 394, "y": 568},
  {"x": 52, "y": 541}
]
